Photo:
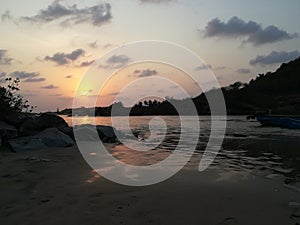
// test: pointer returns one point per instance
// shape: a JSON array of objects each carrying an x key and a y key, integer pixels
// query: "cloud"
[
  {"x": 145, "y": 73},
  {"x": 68, "y": 76},
  {"x": 252, "y": 32},
  {"x": 274, "y": 58},
  {"x": 33, "y": 80},
  {"x": 270, "y": 34},
  {"x": 51, "y": 86},
  {"x": 243, "y": 71},
  {"x": 28, "y": 77},
  {"x": 24, "y": 75},
  {"x": 93, "y": 45},
  {"x": 6, "y": 16},
  {"x": 116, "y": 61},
  {"x": 72, "y": 15},
  {"x": 61, "y": 58},
  {"x": 87, "y": 63},
  {"x": 4, "y": 60},
  {"x": 203, "y": 67}
]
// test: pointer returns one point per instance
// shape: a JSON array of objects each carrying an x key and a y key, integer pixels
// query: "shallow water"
[{"x": 247, "y": 147}]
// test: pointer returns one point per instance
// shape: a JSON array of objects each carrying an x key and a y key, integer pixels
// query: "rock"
[
  {"x": 7, "y": 131},
  {"x": 51, "y": 137},
  {"x": 18, "y": 118},
  {"x": 87, "y": 132},
  {"x": 106, "y": 131},
  {"x": 26, "y": 144},
  {"x": 39, "y": 123},
  {"x": 68, "y": 131}
]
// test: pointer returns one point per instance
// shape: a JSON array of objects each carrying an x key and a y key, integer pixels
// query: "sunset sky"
[{"x": 50, "y": 44}]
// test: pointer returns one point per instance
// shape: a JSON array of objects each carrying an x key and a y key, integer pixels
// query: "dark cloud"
[
  {"x": 51, "y": 86},
  {"x": 33, "y": 80},
  {"x": 6, "y": 16},
  {"x": 147, "y": 73},
  {"x": 72, "y": 15},
  {"x": 203, "y": 67},
  {"x": 270, "y": 34},
  {"x": 27, "y": 76},
  {"x": 86, "y": 63},
  {"x": 4, "y": 60},
  {"x": 68, "y": 76},
  {"x": 117, "y": 61},
  {"x": 274, "y": 58},
  {"x": 61, "y": 58},
  {"x": 24, "y": 75},
  {"x": 243, "y": 71},
  {"x": 252, "y": 32}
]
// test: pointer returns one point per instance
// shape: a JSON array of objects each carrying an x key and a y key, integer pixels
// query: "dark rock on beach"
[
  {"x": 50, "y": 137},
  {"x": 34, "y": 125},
  {"x": 16, "y": 119},
  {"x": 88, "y": 132},
  {"x": 25, "y": 131}
]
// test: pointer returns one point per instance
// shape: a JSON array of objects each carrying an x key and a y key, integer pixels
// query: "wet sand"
[{"x": 56, "y": 186}]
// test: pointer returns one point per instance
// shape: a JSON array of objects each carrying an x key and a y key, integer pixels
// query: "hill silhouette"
[{"x": 277, "y": 91}]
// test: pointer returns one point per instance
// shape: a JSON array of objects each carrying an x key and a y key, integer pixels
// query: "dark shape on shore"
[{"x": 279, "y": 91}]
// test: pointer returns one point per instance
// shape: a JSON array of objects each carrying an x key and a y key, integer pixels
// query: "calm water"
[{"x": 248, "y": 148}]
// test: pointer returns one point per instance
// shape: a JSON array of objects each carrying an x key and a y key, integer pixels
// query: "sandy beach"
[{"x": 56, "y": 186}]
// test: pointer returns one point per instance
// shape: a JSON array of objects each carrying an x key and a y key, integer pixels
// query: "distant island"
[{"x": 278, "y": 91}]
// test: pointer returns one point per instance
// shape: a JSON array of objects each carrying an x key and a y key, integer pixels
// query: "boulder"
[
  {"x": 7, "y": 131},
  {"x": 51, "y": 137},
  {"x": 87, "y": 132},
  {"x": 18, "y": 118},
  {"x": 106, "y": 131},
  {"x": 42, "y": 122},
  {"x": 68, "y": 131},
  {"x": 26, "y": 144}
]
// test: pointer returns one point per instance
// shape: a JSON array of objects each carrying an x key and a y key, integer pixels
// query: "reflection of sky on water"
[{"x": 248, "y": 148}]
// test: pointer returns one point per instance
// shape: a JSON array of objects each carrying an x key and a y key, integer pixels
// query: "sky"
[{"x": 52, "y": 44}]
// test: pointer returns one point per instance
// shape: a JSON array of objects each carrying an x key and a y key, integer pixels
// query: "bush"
[{"x": 10, "y": 99}]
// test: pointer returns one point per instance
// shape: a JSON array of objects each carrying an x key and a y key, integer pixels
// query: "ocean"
[{"x": 247, "y": 148}]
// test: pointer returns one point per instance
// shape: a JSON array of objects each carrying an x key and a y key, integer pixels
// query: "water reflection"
[{"x": 248, "y": 148}]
